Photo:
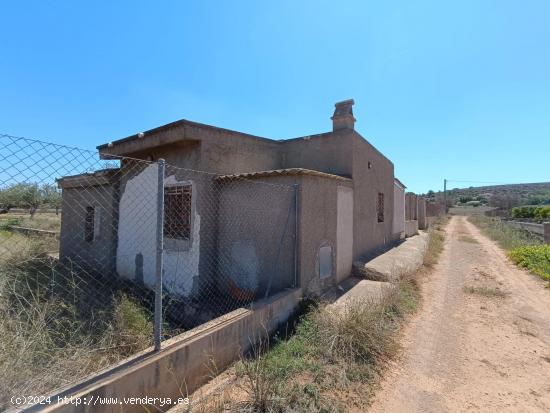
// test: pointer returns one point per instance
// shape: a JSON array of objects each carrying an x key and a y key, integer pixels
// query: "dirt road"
[{"x": 481, "y": 341}]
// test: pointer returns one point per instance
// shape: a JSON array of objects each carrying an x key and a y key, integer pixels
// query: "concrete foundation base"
[
  {"x": 365, "y": 291},
  {"x": 411, "y": 228},
  {"x": 186, "y": 362},
  {"x": 392, "y": 265}
]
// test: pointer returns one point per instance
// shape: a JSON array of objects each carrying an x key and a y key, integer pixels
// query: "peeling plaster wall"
[
  {"x": 137, "y": 225},
  {"x": 136, "y": 250},
  {"x": 181, "y": 258}
]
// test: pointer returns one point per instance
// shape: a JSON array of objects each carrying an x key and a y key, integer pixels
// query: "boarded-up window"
[
  {"x": 380, "y": 207},
  {"x": 89, "y": 222},
  {"x": 177, "y": 212}
]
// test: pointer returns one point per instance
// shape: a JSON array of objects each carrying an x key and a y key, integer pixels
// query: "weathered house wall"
[
  {"x": 137, "y": 229},
  {"x": 370, "y": 235},
  {"x": 411, "y": 214},
  {"x": 346, "y": 153},
  {"x": 325, "y": 232},
  {"x": 398, "y": 211},
  {"x": 328, "y": 152},
  {"x": 411, "y": 207},
  {"x": 422, "y": 219},
  {"x": 101, "y": 193},
  {"x": 256, "y": 227},
  {"x": 319, "y": 203},
  {"x": 193, "y": 146},
  {"x": 203, "y": 148}
]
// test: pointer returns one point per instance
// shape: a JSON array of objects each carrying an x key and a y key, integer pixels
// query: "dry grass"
[
  {"x": 485, "y": 291},
  {"x": 436, "y": 242},
  {"x": 45, "y": 221},
  {"x": 332, "y": 353},
  {"x": 332, "y": 361},
  {"x": 53, "y": 330},
  {"x": 507, "y": 237},
  {"x": 469, "y": 239}
]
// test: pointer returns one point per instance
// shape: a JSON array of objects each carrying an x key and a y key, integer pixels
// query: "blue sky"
[{"x": 455, "y": 89}]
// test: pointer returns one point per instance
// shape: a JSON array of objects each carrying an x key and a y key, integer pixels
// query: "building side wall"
[
  {"x": 370, "y": 235},
  {"x": 215, "y": 151},
  {"x": 256, "y": 236},
  {"x": 411, "y": 207},
  {"x": 318, "y": 232},
  {"x": 344, "y": 232},
  {"x": 411, "y": 228},
  {"x": 398, "y": 212},
  {"x": 422, "y": 220},
  {"x": 330, "y": 153},
  {"x": 98, "y": 255},
  {"x": 137, "y": 229}
]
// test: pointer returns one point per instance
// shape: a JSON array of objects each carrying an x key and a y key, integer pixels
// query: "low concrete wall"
[
  {"x": 397, "y": 262},
  {"x": 539, "y": 229},
  {"x": 186, "y": 362},
  {"x": 365, "y": 290},
  {"x": 38, "y": 211},
  {"x": 411, "y": 228},
  {"x": 33, "y": 231},
  {"x": 526, "y": 226}
]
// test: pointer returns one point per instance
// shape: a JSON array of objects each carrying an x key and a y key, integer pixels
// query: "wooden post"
[{"x": 445, "y": 195}]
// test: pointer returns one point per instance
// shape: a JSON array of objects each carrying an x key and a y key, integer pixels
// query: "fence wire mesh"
[{"x": 79, "y": 256}]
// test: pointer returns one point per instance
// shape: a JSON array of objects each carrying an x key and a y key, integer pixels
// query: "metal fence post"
[
  {"x": 295, "y": 235},
  {"x": 159, "y": 258}
]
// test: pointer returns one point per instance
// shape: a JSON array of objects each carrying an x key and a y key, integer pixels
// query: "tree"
[
  {"x": 29, "y": 195},
  {"x": 51, "y": 196},
  {"x": 504, "y": 201},
  {"x": 465, "y": 199}
]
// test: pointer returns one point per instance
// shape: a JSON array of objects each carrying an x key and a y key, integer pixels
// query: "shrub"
[
  {"x": 532, "y": 212},
  {"x": 133, "y": 328},
  {"x": 5, "y": 224},
  {"x": 536, "y": 258}
]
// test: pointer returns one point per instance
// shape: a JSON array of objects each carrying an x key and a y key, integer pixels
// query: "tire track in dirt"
[{"x": 481, "y": 341}]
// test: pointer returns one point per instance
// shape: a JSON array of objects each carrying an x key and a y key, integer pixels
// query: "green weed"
[{"x": 536, "y": 258}]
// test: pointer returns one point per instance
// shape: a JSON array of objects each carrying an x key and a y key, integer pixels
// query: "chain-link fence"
[{"x": 102, "y": 257}]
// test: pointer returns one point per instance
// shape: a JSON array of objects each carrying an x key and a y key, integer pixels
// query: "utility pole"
[{"x": 445, "y": 194}]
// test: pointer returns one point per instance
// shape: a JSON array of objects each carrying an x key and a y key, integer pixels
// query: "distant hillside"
[{"x": 504, "y": 196}]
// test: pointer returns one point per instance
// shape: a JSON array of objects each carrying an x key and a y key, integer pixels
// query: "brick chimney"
[{"x": 343, "y": 115}]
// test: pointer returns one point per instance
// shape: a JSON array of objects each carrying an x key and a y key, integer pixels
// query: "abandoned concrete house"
[{"x": 349, "y": 205}]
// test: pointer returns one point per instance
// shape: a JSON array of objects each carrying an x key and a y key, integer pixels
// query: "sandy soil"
[{"x": 481, "y": 341}]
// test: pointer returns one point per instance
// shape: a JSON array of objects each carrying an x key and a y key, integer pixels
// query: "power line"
[{"x": 478, "y": 182}]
